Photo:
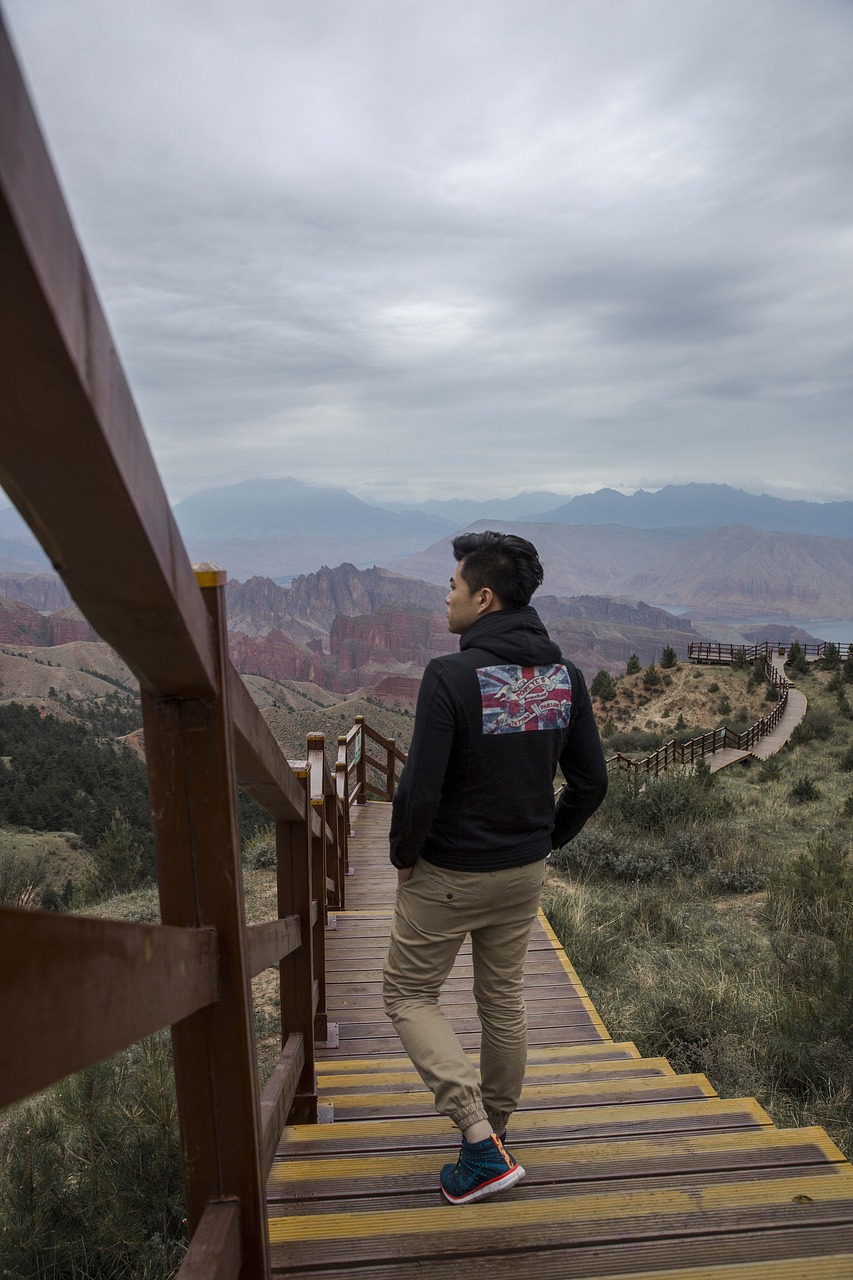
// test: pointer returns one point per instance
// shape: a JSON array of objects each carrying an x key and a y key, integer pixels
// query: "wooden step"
[
  {"x": 600, "y": 1051},
  {"x": 556, "y": 1161},
  {"x": 409, "y": 1082},
  {"x": 816, "y": 1253},
  {"x": 636, "y": 1118},
  {"x": 519, "y": 1223},
  {"x": 636, "y": 1086}
]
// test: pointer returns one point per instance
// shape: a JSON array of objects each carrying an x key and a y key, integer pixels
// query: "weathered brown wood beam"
[
  {"x": 278, "y": 1096},
  {"x": 261, "y": 767},
  {"x": 73, "y": 454},
  {"x": 74, "y": 989},
  {"x": 268, "y": 943},
  {"x": 214, "y": 1251}
]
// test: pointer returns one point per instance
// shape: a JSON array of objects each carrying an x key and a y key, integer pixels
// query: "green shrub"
[
  {"x": 796, "y": 663},
  {"x": 90, "y": 1174},
  {"x": 713, "y": 687},
  {"x": 846, "y": 761},
  {"x": 22, "y": 874},
  {"x": 633, "y": 666},
  {"x": 817, "y": 724},
  {"x": 668, "y": 658},
  {"x": 603, "y": 687},
  {"x": 259, "y": 850},
  {"x": 651, "y": 677},
  {"x": 804, "y": 790},
  {"x": 830, "y": 660},
  {"x": 658, "y": 805}
]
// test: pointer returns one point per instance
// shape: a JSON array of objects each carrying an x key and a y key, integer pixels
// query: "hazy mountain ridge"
[
  {"x": 739, "y": 572},
  {"x": 704, "y": 505}
]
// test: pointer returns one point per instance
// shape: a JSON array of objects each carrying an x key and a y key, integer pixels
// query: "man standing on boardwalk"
[{"x": 473, "y": 821}]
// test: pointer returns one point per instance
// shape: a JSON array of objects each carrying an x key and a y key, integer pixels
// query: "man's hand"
[{"x": 404, "y": 874}]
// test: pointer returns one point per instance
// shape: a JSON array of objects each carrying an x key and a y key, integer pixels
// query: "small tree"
[
  {"x": 603, "y": 687},
  {"x": 831, "y": 659},
  {"x": 22, "y": 874},
  {"x": 668, "y": 658},
  {"x": 118, "y": 859},
  {"x": 633, "y": 666},
  {"x": 651, "y": 676},
  {"x": 796, "y": 663}
]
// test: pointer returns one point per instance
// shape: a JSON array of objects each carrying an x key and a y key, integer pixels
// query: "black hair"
[{"x": 509, "y": 565}]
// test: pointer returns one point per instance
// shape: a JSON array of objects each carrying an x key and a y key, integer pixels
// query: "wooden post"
[
  {"x": 361, "y": 798},
  {"x": 316, "y": 768},
  {"x": 296, "y": 971},
  {"x": 193, "y": 796},
  {"x": 391, "y": 768}
]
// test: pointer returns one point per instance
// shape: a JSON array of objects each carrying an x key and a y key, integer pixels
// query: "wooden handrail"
[
  {"x": 71, "y": 440},
  {"x": 105, "y": 983}
]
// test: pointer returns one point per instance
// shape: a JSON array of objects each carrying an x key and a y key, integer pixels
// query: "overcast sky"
[{"x": 467, "y": 247}]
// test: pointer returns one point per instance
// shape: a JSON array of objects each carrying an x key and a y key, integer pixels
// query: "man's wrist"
[{"x": 404, "y": 874}]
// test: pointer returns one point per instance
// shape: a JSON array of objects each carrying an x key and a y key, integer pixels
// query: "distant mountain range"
[
  {"x": 684, "y": 505},
  {"x": 733, "y": 572},
  {"x": 709, "y": 548}
]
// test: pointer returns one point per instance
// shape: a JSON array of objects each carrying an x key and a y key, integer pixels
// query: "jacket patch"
[{"x": 522, "y": 699}]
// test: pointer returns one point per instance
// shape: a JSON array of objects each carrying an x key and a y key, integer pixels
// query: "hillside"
[
  {"x": 577, "y": 560},
  {"x": 739, "y": 572}
]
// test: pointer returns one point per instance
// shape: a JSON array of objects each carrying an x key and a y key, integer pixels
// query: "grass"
[{"x": 714, "y": 925}]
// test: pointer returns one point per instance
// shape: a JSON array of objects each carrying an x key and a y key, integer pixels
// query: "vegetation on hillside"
[{"x": 711, "y": 917}]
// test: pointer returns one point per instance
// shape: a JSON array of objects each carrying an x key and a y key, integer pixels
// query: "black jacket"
[{"x": 493, "y": 722}]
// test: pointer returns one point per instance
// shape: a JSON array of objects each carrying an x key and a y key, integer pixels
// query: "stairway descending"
[{"x": 632, "y": 1169}]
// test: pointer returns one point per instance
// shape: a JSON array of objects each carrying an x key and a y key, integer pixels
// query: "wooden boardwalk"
[
  {"x": 794, "y": 713},
  {"x": 631, "y": 1168}
]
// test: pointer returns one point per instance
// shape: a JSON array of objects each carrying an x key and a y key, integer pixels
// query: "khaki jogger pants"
[{"x": 435, "y": 911}]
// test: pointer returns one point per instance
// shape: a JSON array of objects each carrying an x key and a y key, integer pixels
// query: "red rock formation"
[
  {"x": 278, "y": 657},
  {"x": 388, "y": 635},
  {"x": 67, "y": 625},
  {"x": 20, "y": 624}
]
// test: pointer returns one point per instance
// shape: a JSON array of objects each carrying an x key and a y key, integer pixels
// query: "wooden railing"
[
  {"x": 73, "y": 990},
  {"x": 687, "y": 753},
  {"x": 709, "y": 651}
]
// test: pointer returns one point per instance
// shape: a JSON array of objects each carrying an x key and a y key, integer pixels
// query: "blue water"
[{"x": 840, "y": 633}]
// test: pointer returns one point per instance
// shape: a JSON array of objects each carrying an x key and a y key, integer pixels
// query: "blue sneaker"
[{"x": 482, "y": 1169}]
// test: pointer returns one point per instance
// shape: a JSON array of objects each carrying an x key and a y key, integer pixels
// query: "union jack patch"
[{"x": 524, "y": 699}]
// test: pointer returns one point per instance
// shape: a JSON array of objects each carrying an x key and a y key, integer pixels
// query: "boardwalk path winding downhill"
[{"x": 632, "y": 1169}]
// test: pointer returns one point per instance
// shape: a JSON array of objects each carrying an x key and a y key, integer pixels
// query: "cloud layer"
[{"x": 427, "y": 250}]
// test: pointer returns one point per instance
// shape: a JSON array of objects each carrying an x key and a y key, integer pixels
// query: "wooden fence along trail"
[
  {"x": 723, "y": 746},
  {"x": 633, "y": 1170}
]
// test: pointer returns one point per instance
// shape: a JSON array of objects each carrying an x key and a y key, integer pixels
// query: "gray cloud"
[{"x": 457, "y": 249}]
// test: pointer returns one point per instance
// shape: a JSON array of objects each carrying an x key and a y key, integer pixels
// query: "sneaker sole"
[{"x": 503, "y": 1183}]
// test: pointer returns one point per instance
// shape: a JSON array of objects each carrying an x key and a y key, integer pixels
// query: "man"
[{"x": 472, "y": 823}]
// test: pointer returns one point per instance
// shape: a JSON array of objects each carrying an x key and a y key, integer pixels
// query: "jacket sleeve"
[
  {"x": 419, "y": 790},
  {"x": 584, "y": 768}
]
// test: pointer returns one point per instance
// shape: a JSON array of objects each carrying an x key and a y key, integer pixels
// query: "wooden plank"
[
  {"x": 522, "y": 1223},
  {"x": 559, "y": 1161},
  {"x": 261, "y": 767},
  {"x": 270, "y": 942},
  {"x": 214, "y": 1250},
  {"x": 567, "y": 1073},
  {"x": 105, "y": 983},
  {"x": 278, "y": 1095},
  {"x": 604, "y": 1052},
  {"x": 638, "y": 1119},
  {"x": 349, "y": 1106},
  {"x": 193, "y": 795},
  {"x": 809, "y": 1253}
]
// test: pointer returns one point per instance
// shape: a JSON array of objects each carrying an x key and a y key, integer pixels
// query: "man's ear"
[{"x": 487, "y": 600}]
